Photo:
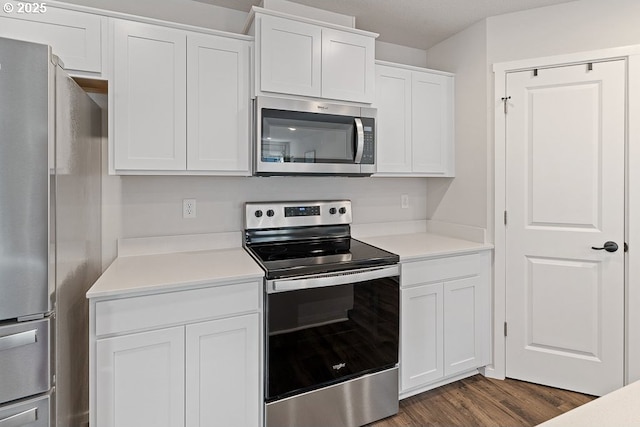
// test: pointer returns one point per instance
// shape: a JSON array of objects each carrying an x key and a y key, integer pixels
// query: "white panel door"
[
  {"x": 432, "y": 124},
  {"x": 463, "y": 325},
  {"x": 290, "y": 57},
  {"x": 422, "y": 335},
  {"x": 393, "y": 102},
  {"x": 565, "y": 160},
  {"x": 140, "y": 379},
  {"x": 217, "y": 104},
  {"x": 348, "y": 66},
  {"x": 149, "y": 86},
  {"x": 223, "y": 373}
]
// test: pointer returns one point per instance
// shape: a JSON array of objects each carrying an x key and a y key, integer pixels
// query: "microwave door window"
[{"x": 289, "y": 140}]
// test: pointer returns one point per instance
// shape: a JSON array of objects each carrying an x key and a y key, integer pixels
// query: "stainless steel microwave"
[{"x": 299, "y": 137}]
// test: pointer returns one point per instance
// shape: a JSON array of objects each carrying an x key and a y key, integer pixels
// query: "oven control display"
[{"x": 302, "y": 211}]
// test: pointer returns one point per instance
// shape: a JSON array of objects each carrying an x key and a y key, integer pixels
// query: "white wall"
[
  {"x": 142, "y": 206},
  {"x": 569, "y": 27},
  {"x": 182, "y": 11},
  {"x": 582, "y": 25},
  {"x": 463, "y": 200},
  {"x": 400, "y": 54}
]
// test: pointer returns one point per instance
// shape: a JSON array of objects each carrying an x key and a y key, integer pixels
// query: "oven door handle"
[{"x": 331, "y": 279}]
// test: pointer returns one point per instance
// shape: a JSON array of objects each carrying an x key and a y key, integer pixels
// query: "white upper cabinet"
[
  {"x": 415, "y": 122},
  {"x": 290, "y": 57},
  {"x": 217, "y": 104},
  {"x": 301, "y": 58},
  {"x": 393, "y": 101},
  {"x": 76, "y": 37},
  {"x": 348, "y": 66},
  {"x": 432, "y": 123},
  {"x": 149, "y": 94},
  {"x": 180, "y": 101}
]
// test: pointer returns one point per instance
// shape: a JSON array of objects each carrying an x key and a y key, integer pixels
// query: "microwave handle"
[{"x": 359, "y": 140}]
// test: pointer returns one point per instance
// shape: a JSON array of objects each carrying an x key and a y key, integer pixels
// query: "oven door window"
[
  {"x": 317, "y": 337},
  {"x": 293, "y": 137}
]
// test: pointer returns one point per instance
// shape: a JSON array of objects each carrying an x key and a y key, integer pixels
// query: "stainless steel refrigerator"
[{"x": 50, "y": 245}]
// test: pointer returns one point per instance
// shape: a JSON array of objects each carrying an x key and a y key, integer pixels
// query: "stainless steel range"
[{"x": 331, "y": 316}]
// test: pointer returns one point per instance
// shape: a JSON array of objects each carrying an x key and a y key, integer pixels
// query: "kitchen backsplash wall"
[{"x": 141, "y": 206}]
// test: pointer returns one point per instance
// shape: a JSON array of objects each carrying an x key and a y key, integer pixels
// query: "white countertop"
[
  {"x": 620, "y": 408},
  {"x": 424, "y": 245},
  {"x": 145, "y": 274},
  {"x": 151, "y": 268}
]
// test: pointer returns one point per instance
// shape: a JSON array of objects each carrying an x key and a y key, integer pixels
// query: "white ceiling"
[{"x": 415, "y": 23}]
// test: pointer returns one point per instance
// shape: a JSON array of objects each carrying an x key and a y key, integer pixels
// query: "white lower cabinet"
[
  {"x": 445, "y": 323},
  {"x": 141, "y": 379},
  {"x": 222, "y": 372},
  {"x": 186, "y": 370}
]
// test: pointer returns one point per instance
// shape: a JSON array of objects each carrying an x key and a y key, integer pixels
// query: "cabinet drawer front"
[
  {"x": 153, "y": 311},
  {"x": 29, "y": 413},
  {"x": 438, "y": 269},
  {"x": 24, "y": 359}
]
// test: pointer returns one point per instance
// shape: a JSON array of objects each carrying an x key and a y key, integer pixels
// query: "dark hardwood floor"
[{"x": 478, "y": 401}]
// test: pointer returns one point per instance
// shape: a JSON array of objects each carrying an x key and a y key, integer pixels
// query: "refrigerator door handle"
[
  {"x": 18, "y": 340},
  {"x": 21, "y": 419}
]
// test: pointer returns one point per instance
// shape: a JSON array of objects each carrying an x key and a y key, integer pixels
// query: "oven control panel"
[{"x": 261, "y": 215}]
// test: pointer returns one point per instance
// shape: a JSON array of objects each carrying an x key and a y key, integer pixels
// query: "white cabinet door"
[
  {"x": 223, "y": 373},
  {"x": 290, "y": 56},
  {"x": 422, "y": 335},
  {"x": 76, "y": 37},
  {"x": 140, "y": 379},
  {"x": 432, "y": 124},
  {"x": 348, "y": 66},
  {"x": 462, "y": 325},
  {"x": 149, "y": 85},
  {"x": 218, "y": 104},
  {"x": 414, "y": 122},
  {"x": 393, "y": 137}
]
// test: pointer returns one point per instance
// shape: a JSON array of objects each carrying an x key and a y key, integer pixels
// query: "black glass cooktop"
[{"x": 287, "y": 259}]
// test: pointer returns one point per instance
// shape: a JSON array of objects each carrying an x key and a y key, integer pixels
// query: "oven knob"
[
  {"x": 332, "y": 211},
  {"x": 270, "y": 213},
  {"x": 258, "y": 213},
  {"x": 343, "y": 210}
]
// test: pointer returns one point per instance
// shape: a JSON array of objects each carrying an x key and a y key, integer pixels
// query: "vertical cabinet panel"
[
  {"x": 217, "y": 104},
  {"x": 141, "y": 379},
  {"x": 290, "y": 57},
  {"x": 348, "y": 70},
  {"x": 222, "y": 373},
  {"x": 462, "y": 317},
  {"x": 150, "y": 99},
  {"x": 393, "y": 101},
  {"x": 422, "y": 335},
  {"x": 432, "y": 123}
]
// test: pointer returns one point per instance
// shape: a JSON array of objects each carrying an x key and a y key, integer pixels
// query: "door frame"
[{"x": 632, "y": 201}]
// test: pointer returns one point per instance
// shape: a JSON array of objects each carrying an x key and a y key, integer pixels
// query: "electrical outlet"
[
  {"x": 188, "y": 208},
  {"x": 404, "y": 201}
]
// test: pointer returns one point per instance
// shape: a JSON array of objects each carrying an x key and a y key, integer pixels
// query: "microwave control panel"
[{"x": 368, "y": 152}]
